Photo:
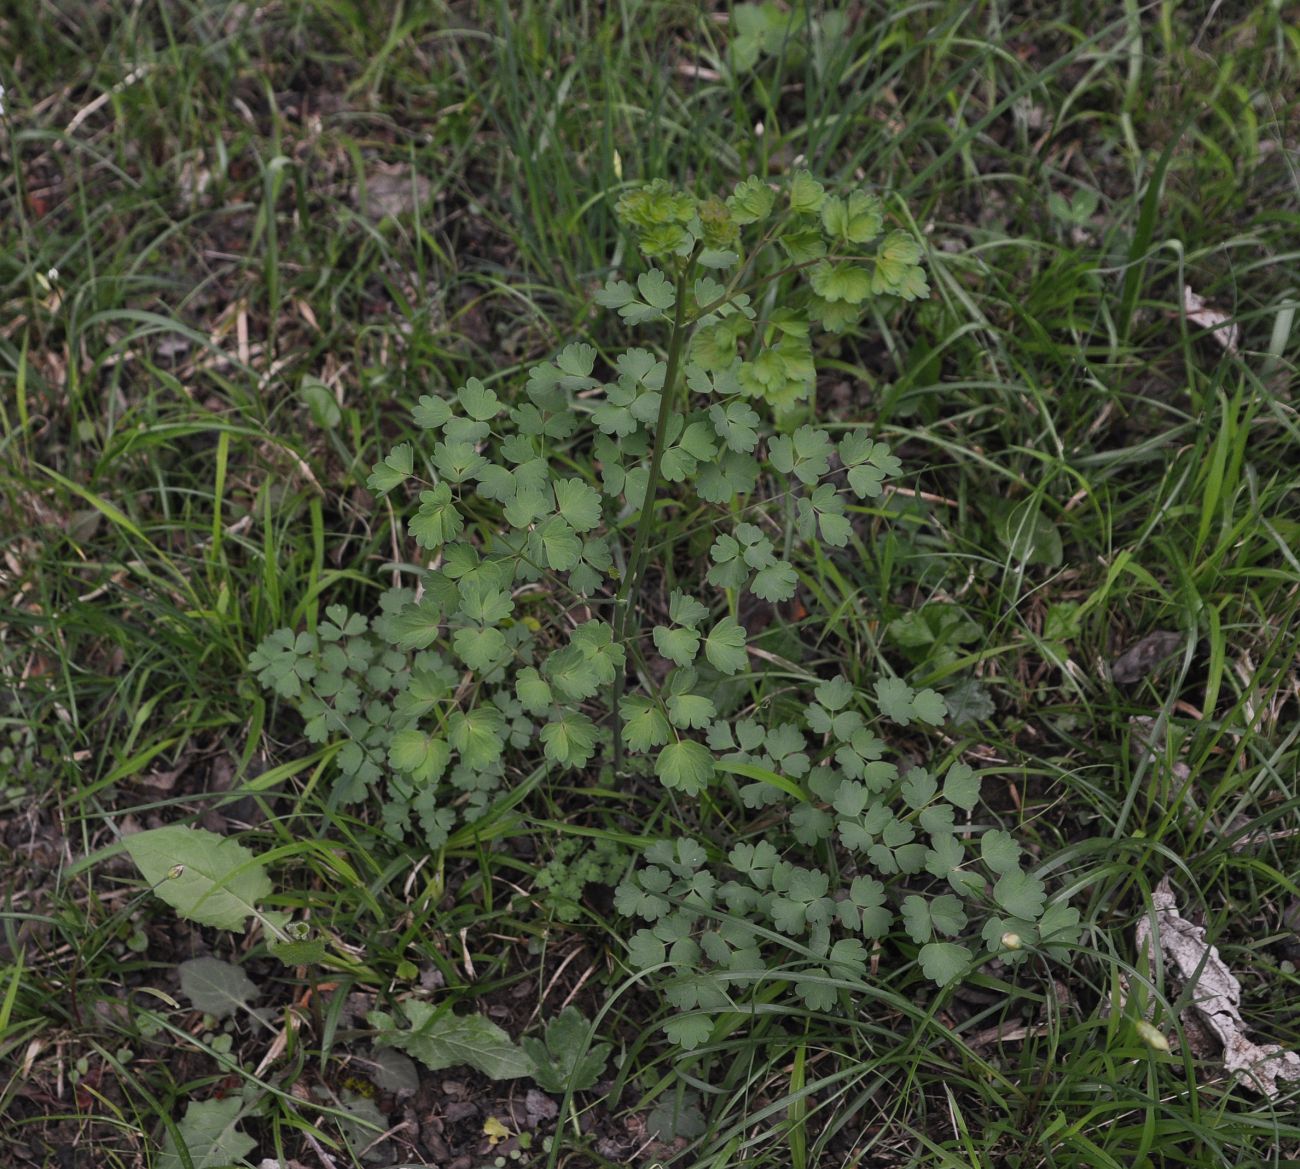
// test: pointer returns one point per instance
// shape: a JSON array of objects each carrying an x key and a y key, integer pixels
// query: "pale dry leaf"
[
  {"x": 1226, "y": 332},
  {"x": 1217, "y": 1000}
]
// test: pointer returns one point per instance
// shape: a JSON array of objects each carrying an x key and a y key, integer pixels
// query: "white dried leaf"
[
  {"x": 1217, "y": 1000},
  {"x": 1226, "y": 332}
]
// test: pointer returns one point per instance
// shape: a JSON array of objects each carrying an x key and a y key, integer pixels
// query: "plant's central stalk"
[{"x": 629, "y": 593}]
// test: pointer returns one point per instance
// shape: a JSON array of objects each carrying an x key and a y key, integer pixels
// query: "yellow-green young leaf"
[
  {"x": 685, "y": 766},
  {"x": 806, "y": 193},
  {"x": 751, "y": 201},
  {"x": 422, "y": 756},
  {"x": 857, "y": 220},
  {"x": 204, "y": 877},
  {"x": 841, "y": 282}
]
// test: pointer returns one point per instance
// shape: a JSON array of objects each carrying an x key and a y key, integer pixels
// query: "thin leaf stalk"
[{"x": 629, "y": 593}]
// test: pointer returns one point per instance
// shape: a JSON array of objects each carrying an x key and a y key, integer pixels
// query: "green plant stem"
[{"x": 625, "y": 603}]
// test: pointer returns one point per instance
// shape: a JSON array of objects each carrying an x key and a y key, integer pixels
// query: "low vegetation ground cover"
[{"x": 596, "y": 585}]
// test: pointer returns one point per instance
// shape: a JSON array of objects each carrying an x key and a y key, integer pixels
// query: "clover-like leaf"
[
  {"x": 1020, "y": 894},
  {"x": 393, "y": 471},
  {"x": 999, "y": 851},
  {"x": 751, "y": 201},
  {"x": 961, "y": 786},
  {"x": 569, "y": 738}
]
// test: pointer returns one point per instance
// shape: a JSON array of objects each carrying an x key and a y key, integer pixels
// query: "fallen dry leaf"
[
  {"x": 1226, "y": 332},
  {"x": 1217, "y": 1001}
]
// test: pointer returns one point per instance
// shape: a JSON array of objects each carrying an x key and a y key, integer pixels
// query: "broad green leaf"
[
  {"x": 644, "y": 950},
  {"x": 442, "y": 1039},
  {"x": 533, "y": 692},
  {"x": 944, "y": 962},
  {"x": 577, "y": 503},
  {"x": 215, "y": 987},
  {"x": 894, "y": 698},
  {"x": 477, "y": 734},
  {"x": 569, "y": 738},
  {"x": 916, "y": 918},
  {"x": 210, "y": 1133},
  {"x": 999, "y": 851},
  {"x": 568, "y": 1059},
  {"x": 423, "y": 756},
  {"x": 961, "y": 787},
  {"x": 483, "y": 602},
  {"x": 393, "y": 471},
  {"x": 1020, "y": 894},
  {"x": 776, "y": 582},
  {"x": 206, "y": 878},
  {"x": 929, "y": 707},
  {"x": 843, "y": 281},
  {"x": 480, "y": 648},
  {"x": 725, "y": 647},
  {"x": 431, "y": 413},
  {"x": 561, "y": 548},
  {"x": 656, "y": 289},
  {"x": 918, "y": 787},
  {"x": 679, "y": 646},
  {"x": 685, "y": 766},
  {"x": 735, "y": 424},
  {"x": 437, "y": 521},
  {"x": 1059, "y": 930},
  {"x": 644, "y": 725},
  {"x": 479, "y": 402},
  {"x": 684, "y": 609},
  {"x": 457, "y": 461},
  {"x": 689, "y": 1031},
  {"x": 947, "y": 914},
  {"x": 690, "y": 711}
]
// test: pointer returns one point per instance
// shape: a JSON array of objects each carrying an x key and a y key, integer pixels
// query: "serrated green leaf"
[
  {"x": 442, "y": 1039},
  {"x": 689, "y": 1031},
  {"x": 751, "y": 201},
  {"x": 690, "y": 711},
  {"x": 685, "y": 766},
  {"x": 567, "y": 1060},
  {"x": 961, "y": 787},
  {"x": 806, "y": 193},
  {"x": 480, "y": 648},
  {"x": 437, "y": 522},
  {"x": 578, "y": 503},
  {"x": 1020, "y": 894},
  {"x": 684, "y": 609},
  {"x": 532, "y": 690},
  {"x": 918, "y": 787},
  {"x": 929, "y": 707},
  {"x": 644, "y": 725},
  {"x": 916, "y": 918},
  {"x": 735, "y": 425},
  {"x": 999, "y": 851},
  {"x": 206, "y": 878},
  {"x": 842, "y": 281},
  {"x": 431, "y": 413},
  {"x": 210, "y": 1133},
  {"x": 776, "y": 582},
  {"x": 479, "y": 402},
  {"x": 393, "y": 471},
  {"x": 679, "y": 646},
  {"x": 857, "y": 219},
  {"x": 478, "y": 735},
  {"x": 894, "y": 699},
  {"x": 725, "y": 647},
  {"x": 569, "y": 738},
  {"x": 944, "y": 962},
  {"x": 215, "y": 987}
]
